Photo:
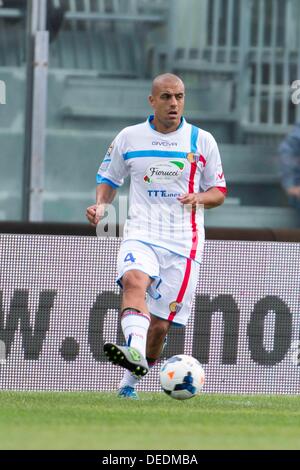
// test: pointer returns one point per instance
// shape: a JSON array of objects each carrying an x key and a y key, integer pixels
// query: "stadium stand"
[
  {"x": 69, "y": 180},
  {"x": 107, "y": 36},
  {"x": 237, "y": 58},
  {"x": 117, "y": 102}
]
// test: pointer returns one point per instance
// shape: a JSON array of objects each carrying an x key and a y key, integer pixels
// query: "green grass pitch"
[{"x": 102, "y": 421}]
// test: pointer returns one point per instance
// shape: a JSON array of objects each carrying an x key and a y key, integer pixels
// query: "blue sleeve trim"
[
  {"x": 194, "y": 138},
  {"x": 100, "y": 180}
]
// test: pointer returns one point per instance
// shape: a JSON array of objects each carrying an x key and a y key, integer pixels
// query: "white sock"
[
  {"x": 135, "y": 327},
  {"x": 131, "y": 380}
]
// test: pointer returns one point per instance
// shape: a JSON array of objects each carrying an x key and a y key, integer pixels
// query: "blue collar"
[{"x": 151, "y": 117}]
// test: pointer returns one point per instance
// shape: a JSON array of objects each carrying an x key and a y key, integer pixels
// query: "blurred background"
[{"x": 76, "y": 72}]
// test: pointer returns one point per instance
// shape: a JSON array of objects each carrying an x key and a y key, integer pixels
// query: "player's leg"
[
  {"x": 179, "y": 279},
  {"x": 137, "y": 266},
  {"x": 156, "y": 340},
  {"x": 135, "y": 284},
  {"x": 135, "y": 321},
  {"x": 135, "y": 317},
  {"x": 157, "y": 333}
]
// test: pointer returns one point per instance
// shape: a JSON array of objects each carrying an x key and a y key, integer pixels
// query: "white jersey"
[{"x": 162, "y": 167}]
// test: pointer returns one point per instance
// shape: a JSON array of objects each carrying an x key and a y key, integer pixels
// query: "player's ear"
[{"x": 151, "y": 100}]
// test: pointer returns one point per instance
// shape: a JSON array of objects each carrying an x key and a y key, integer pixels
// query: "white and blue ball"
[{"x": 182, "y": 377}]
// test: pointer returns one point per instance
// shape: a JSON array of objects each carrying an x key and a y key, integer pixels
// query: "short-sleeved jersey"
[{"x": 162, "y": 167}]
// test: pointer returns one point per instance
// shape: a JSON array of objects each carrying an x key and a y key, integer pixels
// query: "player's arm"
[
  {"x": 213, "y": 197},
  {"x": 110, "y": 177}
]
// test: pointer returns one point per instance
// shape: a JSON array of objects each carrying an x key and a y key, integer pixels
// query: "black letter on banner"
[
  {"x": 204, "y": 309},
  {"x": 282, "y": 334},
  {"x": 32, "y": 342},
  {"x": 106, "y": 300},
  {"x": 175, "y": 343}
]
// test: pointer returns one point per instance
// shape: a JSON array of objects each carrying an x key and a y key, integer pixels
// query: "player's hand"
[
  {"x": 90, "y": 214},
  {"x": 95, "y": 213},
  {"x": 189, "y": 198},
  {"x": 294, "y": 191}
]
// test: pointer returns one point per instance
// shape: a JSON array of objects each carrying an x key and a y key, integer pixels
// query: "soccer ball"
[{"x": 182, "y": 377}]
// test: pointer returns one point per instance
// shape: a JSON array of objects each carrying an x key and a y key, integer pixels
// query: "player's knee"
[{"x": 135, "y": 280}]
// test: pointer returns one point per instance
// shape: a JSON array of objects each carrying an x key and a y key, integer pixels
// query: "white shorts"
[{"x": 174, "y": 278}]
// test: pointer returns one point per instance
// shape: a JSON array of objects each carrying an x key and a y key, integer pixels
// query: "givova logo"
[{"x": 2, "y": 92}]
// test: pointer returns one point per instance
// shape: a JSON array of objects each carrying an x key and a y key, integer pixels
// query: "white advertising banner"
[{"x": 59, "y": 303}]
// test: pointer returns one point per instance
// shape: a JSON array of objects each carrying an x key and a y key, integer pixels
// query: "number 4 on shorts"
[{"x": 130, "y": 257}]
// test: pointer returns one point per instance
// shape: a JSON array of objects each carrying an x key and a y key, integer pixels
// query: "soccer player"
[{"x": 175, "y": 171}]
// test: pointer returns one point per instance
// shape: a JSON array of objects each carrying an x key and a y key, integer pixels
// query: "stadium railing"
[
  {"x": 12, "y": 44},
  {"x": 213, "y": 48},
  {"x": 107, "y": 36},
  {"x": 221, "y": 46},
  {"x": 256, "y": 44},
  {"x": 274, "y": 63},
  {"x": 104, "y": 35}
]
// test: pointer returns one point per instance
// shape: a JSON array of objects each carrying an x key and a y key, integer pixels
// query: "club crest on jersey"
[
  {"x": 196, "y": 158},
  {"x": 164, "y": 172},
  {"x": 193, "y": 157},
  {"x": 175, "y": 307}
]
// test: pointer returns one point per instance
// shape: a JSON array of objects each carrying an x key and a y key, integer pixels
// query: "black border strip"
[{"x": 81, "y": 229}]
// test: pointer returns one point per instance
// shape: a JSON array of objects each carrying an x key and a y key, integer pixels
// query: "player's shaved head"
[
  {"x": 165, "y": 80},
  {"x": 167, "y": 102}
]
